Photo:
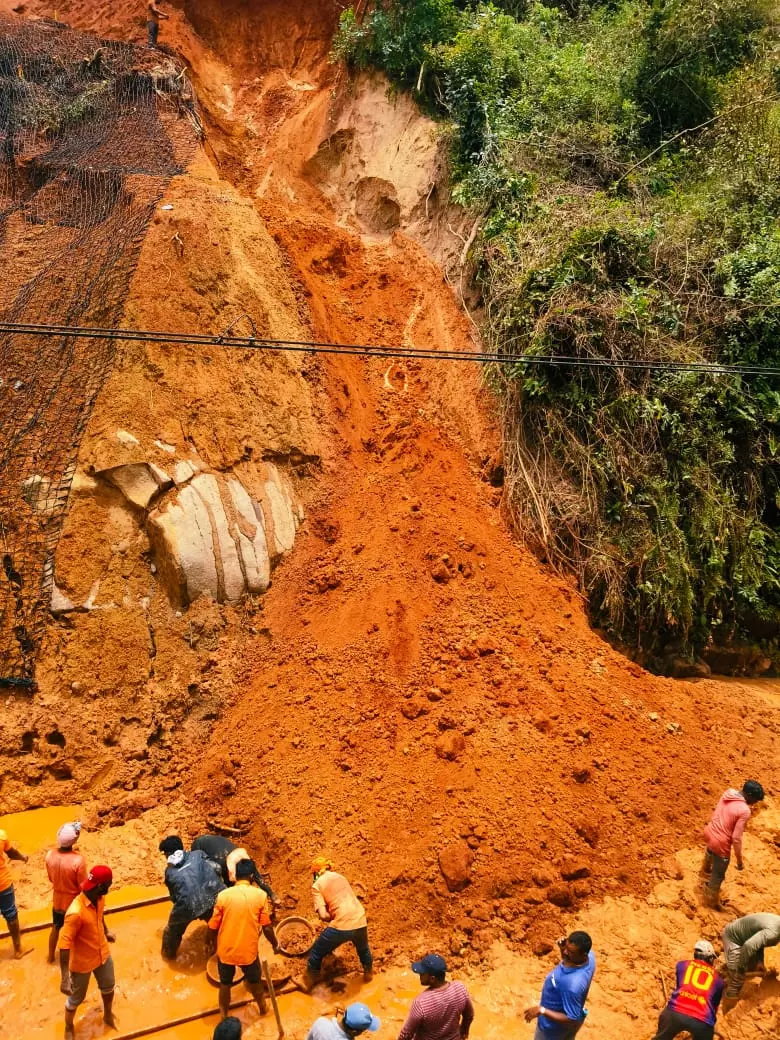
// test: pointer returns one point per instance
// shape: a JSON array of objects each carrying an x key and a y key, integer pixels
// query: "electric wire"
[{"x": 390, "y": 352}]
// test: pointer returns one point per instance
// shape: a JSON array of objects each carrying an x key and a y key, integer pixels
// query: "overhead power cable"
[{"x": 390, "y": 352}]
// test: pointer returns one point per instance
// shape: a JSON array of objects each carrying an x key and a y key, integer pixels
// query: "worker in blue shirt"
[{"x": 561, "y": 1012}]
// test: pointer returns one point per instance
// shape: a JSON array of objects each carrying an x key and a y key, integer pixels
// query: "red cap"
[{"x": 97, "y": 876}]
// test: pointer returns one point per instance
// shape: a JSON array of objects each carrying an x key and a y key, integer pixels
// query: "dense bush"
[{"x": 624, "y": 159}]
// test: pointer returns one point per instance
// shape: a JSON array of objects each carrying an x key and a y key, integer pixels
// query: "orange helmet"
[{"x": 319, "y": 864}]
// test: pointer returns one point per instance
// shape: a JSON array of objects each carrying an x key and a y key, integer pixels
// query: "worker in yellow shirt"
[
  {"x": 336, "y": 903},
  {"x": 7, "y": 898},
  {"x": 239, "y": 915},
  {"x": 84, "y": 951}
]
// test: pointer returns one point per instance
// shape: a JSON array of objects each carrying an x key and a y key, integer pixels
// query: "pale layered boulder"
[
  {"x": 253, "y": 544},
  {"x": 182, "y": 539},
  {"x": 139, "y": 482},
  {"x": 282, "y": 513},
  {"x": 212, "y": 537}
]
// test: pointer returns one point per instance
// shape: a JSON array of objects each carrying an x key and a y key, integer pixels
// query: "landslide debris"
[{"x": 413, "y": 681}]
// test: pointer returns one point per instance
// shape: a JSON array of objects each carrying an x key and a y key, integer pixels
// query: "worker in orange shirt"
[
  {"x": 7, "y": 898},
  {"x": 67, "y": 869},
  {"x": 336, "y": 904},
  {"x": 84, "y": 949},
  {"x": 239, "y": 915}
]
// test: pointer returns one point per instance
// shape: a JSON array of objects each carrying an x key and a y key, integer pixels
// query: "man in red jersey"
[
  {"x": 84, "y": 948},
  {"x": 693, "y": 1005}
]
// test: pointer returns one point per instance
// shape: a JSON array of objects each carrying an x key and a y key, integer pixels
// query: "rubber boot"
[
  {"x": 70, "y": 1017},
  {"x": 308, "y": 980},
  {"x": 706, "y": 865},
  {"x": 108, "y": 1013},
  {"x": 711, "y": 898}
]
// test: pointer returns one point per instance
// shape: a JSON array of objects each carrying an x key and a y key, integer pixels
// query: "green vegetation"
[{"x": 624, "y": 161}]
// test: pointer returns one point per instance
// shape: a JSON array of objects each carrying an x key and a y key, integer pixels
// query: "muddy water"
[{"x": 37, "y": 828}]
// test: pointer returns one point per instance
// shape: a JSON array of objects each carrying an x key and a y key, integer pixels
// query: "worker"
[
  {"x": 337, "y": 905},
  {"x": 444, "y": 1011},
  {"x": 67, "y": 870},
  {"x": 7, "y": 896},
  {"x": 154, "y": 14},
  {"x": 226, "y": 854},
  {"x": 724, "y": 832},
  {"x": 228, "y": 1029},
  {"x": 239, "y": 914},
  {"x": 693, "y": 1006},
  {"x": 562, "y": 1012},
  {"x": 356, "y": 1019},
  {"x": 84, "y": 948},
  {"x": 193, "y": 884},
  {"x": 744, "y": 942}
]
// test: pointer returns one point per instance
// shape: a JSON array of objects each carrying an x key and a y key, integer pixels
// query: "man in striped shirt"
[{"x": 444, "y": 1011}]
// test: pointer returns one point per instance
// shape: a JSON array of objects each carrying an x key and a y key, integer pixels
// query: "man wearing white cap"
[
  {"x": 693, "y": 1006},
  {"x": 355, "y": 1020},
  {"x": 66, "y": 869}
]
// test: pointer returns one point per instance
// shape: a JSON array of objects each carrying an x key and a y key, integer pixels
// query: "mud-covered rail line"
[{"x": 138, "y": 905}]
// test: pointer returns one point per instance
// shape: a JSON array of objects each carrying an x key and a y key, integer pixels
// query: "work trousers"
[
  {"x": 79, "y": 983},
  {"x": 716, "y": 866},
  {"x": 330, "y": 939},
  {"x": 8, "y": 904},
  {"x": 733, "y": 955},
  {"x": 567, "y": 1032},
  {"x": 672, "y": 1023},
  {"x": 154, "y": 31},
  {"x": 173, "y": 933}
]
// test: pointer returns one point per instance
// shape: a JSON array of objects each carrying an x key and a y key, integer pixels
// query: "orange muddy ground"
[
  {"x": 414, "y": 679},
  {"x": 639, "y": 939}
]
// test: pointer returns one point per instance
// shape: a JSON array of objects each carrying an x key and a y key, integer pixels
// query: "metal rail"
[
  {"x": 194, "y": 1017},
  {"x": 151, "y": 901}
]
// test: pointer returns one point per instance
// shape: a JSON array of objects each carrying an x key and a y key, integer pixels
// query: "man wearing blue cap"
[
  {"x": 444, "y": 1011},
  {"x": 355, "y": 1020}
]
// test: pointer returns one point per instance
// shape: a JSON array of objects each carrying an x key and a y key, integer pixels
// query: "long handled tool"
[
  {"x": 148, "y": 1030},
  {"x": 270, "y": 983}
]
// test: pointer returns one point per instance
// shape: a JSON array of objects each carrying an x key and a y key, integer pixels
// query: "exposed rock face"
[
  {"x": 210, "y": 534},
  {"x": 213, "y": 538},
  {"x": 139, "y": 482},
  {"x": 376, "y": 204},
  {"x": 36, "y": 491}
]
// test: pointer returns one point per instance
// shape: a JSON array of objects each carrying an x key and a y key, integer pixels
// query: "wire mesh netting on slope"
[{"x": 91, "y": 131}]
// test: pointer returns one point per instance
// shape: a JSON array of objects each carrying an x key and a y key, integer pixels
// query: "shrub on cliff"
[{"x": 622, "y": 160}]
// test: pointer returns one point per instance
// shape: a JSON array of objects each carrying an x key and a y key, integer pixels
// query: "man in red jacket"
[{"x": 724, "y": 832}]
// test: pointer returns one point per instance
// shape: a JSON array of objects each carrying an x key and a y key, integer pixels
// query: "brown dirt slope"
[{"x": 414, "y": 680}]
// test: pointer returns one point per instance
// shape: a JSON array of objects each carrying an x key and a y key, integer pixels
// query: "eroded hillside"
[{"x": 414, "y": 690}]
